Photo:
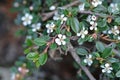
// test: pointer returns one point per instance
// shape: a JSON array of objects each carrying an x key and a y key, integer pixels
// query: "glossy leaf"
[
  {"x": 39, "y": 41},
  {"x": 107, "y": 52},
  {"x": 100, "y": 47},
  {"x": 32, "y": 55},
  {"x": 81, "y": 51},
  {"x": 118, "y": 74},
  {"x": 43, "y": 58},
  {"x": 75, "y": 25}
]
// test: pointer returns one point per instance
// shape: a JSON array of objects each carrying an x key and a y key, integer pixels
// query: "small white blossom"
[
  {"x": 61, "y": 39},
  {"x": 114, "y": 7},
  {"x": 31, "y": 8},
  {"x": 89, "y": 18},
  {"x": 93, "y": 25},
  {"x": 114, "y": 31},
  {"x": 82, "y": 33},
  {"x": 93, "y": 17},
  {"x": 50, "y": 27},
  {"x": 27, "y": 19},
  {"x": 52, "y": 8},
  {"x": 36, "y": 27},
  {"x": 95, "y": 3},
  {"x": 60, "y": 17},
  {"x": 16, "y": 4},
  {"x": 118, "y": 37},
  {"x": 81, "y": 7},
  {"x": 106, "y": 68},
  {"x": 88, "y": 60}
]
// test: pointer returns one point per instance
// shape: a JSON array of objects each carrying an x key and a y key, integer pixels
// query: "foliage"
[{"x": 92, "y": 22}]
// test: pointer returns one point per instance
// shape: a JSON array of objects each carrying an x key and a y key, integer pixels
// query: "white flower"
[
  {"x": 88, "y": 60},
  {"x": 114, "y": 7},
  {"x": 60, "y": 17},
  {"x": 52, "y": 8},
  {"x": 16, "y": 4},
  {"x": 31, "y": 8},
  {"x": 89, "y": 18},
  {"x": 118, "y": 37},
  {"x": 50, "y": 27},
  {"x": 36, "y": 27},
  {"x": 61, "y": 39},
  {"x": 81, "y": 7},
  {"x": 82, "y": 33},
  {"x": 95, "y": 3},
  {"x": 93, "y": 17},
  {"x": 27, "y": 19},
  {"x": 106, "y": 68},
  {"x": 93, "y": 25},
  {"x": 114, "y": 31}
]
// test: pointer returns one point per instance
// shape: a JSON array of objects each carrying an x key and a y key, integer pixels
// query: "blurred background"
[{"x": 11, "y": 49}]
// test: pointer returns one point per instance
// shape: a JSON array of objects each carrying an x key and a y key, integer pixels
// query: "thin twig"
[
  {"x": 46, "y": 16},
  {"x": 78, "y": 60}
]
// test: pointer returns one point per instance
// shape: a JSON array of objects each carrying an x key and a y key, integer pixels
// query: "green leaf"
[
  {"x": 53, "y": 46},
  {"x": 107, "y": 52},
  {"x": 118, "y": 74},
  {"x": 26, "y": 51},
  {"x": 43, "y": 58},
  {"x": 81, "y": 51},
  {"x": 37, "y": 63},
  {"x": 112, "y": 60},
  {"x": 32, "y": 56},
  {"x": 117, "y": 20},
  {"x": 39, "y": 41},
  {"x": 75, "y": 25},
  {"x": 100, "y": 47}
]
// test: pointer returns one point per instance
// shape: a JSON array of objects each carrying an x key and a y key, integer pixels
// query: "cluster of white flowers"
[
  {"x": 52, "y": 8},
  {"x": 60, "y": 17},
  {"x": 88, "y": 60},
  {"x": 81, "y": 7},
  {"x": 27, "y": 19},
  {"x": 95, "y": 3},
  {"x": 114, "y": 7},
  {"x": 36, "y": 27},
  {"x": 82, "y": 33},
  {"x": 114, "y": 30},
  {"x": 92, "y": 20},
  {"x": 50, "y": 27},
  {"x": 61, "y": 39},
  {"x": 106, "y": 68}
]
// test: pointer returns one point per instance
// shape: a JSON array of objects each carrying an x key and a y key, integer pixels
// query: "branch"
[
  {"x": 78, "y": 60},
  {"x": 46, "y": 16}
]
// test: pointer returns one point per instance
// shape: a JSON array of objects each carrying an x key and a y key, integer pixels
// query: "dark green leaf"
[
  {"x": 26, "y": 51},
  {"x": 107, "y": 52},
  {"x": 39, "y": 41},
  {"x": 100, "y": 47},
  {"x": 118, "y": 74},
  {"x": 81, "y": 51},
  {"x": 32, "y": 55},
  {"x": 53, "y": 46},
  {"x": 112, "y": 60},
  {"x": 43, "y": 58},
  {"x": 117, "y": 20},
  {"x": 75, "y": 25}
]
